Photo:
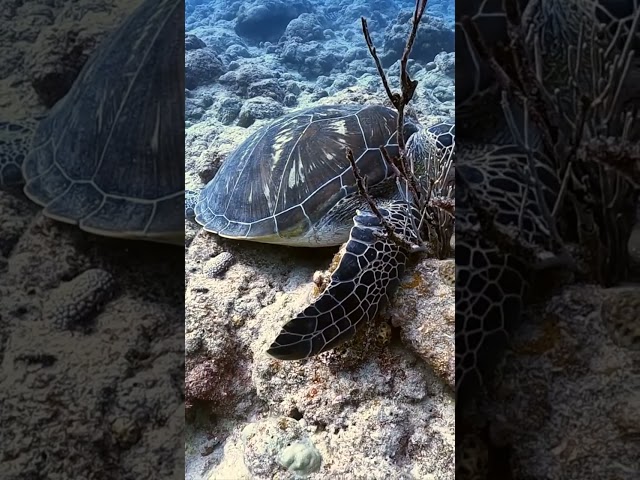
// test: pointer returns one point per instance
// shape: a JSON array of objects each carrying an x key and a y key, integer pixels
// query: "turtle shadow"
[
  {"x": 263, "y": 255},
  {"x": 149, "y": 270}
]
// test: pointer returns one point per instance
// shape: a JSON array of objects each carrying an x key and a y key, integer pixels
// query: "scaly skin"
[{"x": 369, "y": 270}]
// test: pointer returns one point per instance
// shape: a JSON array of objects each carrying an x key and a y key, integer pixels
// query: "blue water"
[{"x": 294, "y": 53}]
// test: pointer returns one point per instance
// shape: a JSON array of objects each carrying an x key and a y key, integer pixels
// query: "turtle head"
[{"x": 430, "y": 151}]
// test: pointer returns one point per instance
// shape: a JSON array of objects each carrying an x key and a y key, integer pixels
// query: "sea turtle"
[
  {"x": 107, "y": 156},
  {"x": 290, "y": 183},
  {"x": 494, "y": 169}
]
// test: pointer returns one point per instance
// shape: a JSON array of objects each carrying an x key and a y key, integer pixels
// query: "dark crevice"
[{"x": 296, "y": 414}]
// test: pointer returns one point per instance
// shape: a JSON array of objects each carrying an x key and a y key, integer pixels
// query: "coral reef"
[
  {"x": 382, "y": 406},
  {"x": 87, "y": 402}
]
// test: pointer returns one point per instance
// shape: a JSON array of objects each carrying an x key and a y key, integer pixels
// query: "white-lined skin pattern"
[{"x": 369, "y": 270}]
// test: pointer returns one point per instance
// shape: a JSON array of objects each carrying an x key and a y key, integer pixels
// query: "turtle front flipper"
[
  {"x": 190, "y": 201},
  {"x": 15, "y": 140},
  {"x": 370, "y": 268}
]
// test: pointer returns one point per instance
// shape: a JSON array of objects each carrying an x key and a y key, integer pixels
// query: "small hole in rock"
[{"x": 296, "y": 414}]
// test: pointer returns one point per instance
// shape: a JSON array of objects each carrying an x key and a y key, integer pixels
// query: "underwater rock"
[
  {"x": 63, "y": 38},
  {"x": 200, "y": 12},
  {"x": 293, "y": 88},
  {"x": 241, "y": 77},
  {"x": 229, "y": 110},
  {"x": 342, "y": 81},
  {"x": 569, "y": 359},
  {"x": 370, "y": 82},
  {"x": 290, "y": 100},
  {"x": 267, "y": 19},
  {"x": 377, "y": 13},
  {"x": 437, "y": 89},
  {"x": 270, "y": 47},
  {"x": 265, "y": 443},
  {"x": 301, "y": 458},
  {"x": 191, "y": 42},
  {"x": 12, "y": 228},
  {"x": 269, "y": 87},
  {"x": 306, "y": 27},
  {"x": 362, "y": 67},
  {"x": 258, "y": 108},
  {"x": 201, "y": 67},
  {"x": 433, "y": 37},
  {"x": 323, "y": 82},
  {"x": 311, "y": 59},
  {"x": 74, "y": 303},
  {"x": 58, "y": 60},
  {"x": 446, "y": 62},
  {"x": 443, "y": 94},
  {"x": 218, "y": 265},
  {"x": 355, "y": 53},
  {"x": 237, "y": 51},
  {"x": 219, "y": 38},
  {"x": 193, "y": 109},
  {"x": 424, "y": 309},
  {"x": 196, "y": 106},
  {"x": 319, "y": 93}
]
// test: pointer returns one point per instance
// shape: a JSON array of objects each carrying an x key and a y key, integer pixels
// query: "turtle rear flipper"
[{"x": 370, "y": 268}]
